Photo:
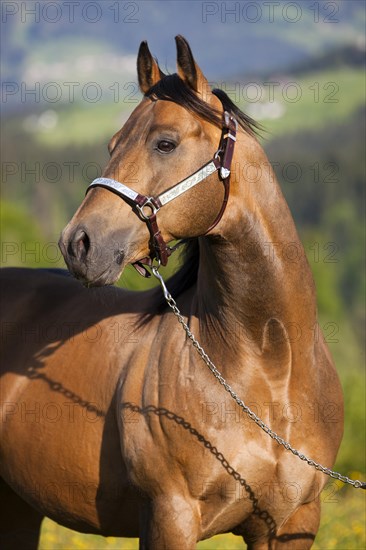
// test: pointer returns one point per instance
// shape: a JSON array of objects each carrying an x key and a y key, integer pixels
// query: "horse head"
[{"x": 171, "y": 134}]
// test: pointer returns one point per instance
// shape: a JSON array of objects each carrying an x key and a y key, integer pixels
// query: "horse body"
[
  {"x": 58, "y": 423},
  {"x": 132, "y": 435}
]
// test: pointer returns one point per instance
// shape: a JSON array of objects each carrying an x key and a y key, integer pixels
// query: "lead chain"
[{"x": 173, "y": 305}]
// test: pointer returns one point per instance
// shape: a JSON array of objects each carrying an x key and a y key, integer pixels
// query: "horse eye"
[{"x": 165, "y": 146}]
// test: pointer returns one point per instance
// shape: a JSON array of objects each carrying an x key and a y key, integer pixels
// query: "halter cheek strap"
[{"x": 147, "y": 207}]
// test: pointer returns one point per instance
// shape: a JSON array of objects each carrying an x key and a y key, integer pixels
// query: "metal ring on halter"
[
  {"x": 218, "y": 152},
  {"x": 149, "y": 203}
]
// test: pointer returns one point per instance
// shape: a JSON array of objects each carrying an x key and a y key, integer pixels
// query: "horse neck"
[{"x": 256, "y": 270}]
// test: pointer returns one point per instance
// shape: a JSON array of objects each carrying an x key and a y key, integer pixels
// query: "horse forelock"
[{"x": 173, "y": 88}]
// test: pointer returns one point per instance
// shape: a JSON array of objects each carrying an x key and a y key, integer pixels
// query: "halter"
[{"x": 147, "y": 207}]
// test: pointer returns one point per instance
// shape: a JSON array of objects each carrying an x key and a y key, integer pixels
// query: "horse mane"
[
  {"x": 173, "y": 88},
  {"x": 186, "y": 275},
  {"x": 183, "y": 279}
]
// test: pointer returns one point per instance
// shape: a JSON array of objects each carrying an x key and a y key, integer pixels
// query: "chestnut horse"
[{"x": 111, "y": 422}]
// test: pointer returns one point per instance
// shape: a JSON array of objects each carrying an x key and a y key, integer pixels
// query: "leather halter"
[{"x": 147, "y": 207}]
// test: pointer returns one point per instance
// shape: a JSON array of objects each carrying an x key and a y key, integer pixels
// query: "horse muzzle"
[{"x": 93, "y": 262}]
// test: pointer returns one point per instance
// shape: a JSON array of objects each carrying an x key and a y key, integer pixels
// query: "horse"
[{"x": 111, "y": 422}]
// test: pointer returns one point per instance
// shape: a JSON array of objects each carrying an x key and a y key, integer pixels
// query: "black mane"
[
  {"x": 172, "y": 88},
  {"x": 186, "y": 275}
]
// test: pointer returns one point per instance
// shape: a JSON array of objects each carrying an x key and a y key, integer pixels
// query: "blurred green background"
[{"x": 303, "y": 80}]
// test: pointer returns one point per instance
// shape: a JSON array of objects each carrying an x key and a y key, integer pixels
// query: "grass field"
[{"x": 313, "y": 101}]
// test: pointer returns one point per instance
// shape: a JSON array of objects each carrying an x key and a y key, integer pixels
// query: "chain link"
[{"x": 173, "y": 305}]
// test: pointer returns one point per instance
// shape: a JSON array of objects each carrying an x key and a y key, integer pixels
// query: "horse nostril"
[
  {"x": 119, "y": 257},
  {"x": 79, "y": 246}
]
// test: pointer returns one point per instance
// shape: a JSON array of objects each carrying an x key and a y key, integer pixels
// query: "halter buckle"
[{"x": 149, "y": 203}]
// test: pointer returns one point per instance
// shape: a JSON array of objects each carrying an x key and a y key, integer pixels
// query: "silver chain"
[{"x": 173, "y": 305}]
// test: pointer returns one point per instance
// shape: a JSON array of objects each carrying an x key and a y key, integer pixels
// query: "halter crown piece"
[{"x": 148, "y": 207}]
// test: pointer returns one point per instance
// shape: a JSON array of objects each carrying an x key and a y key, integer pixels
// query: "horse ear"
[
  {"x": 148, "y": 70},
  {"x": 188, "y": 70}
]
